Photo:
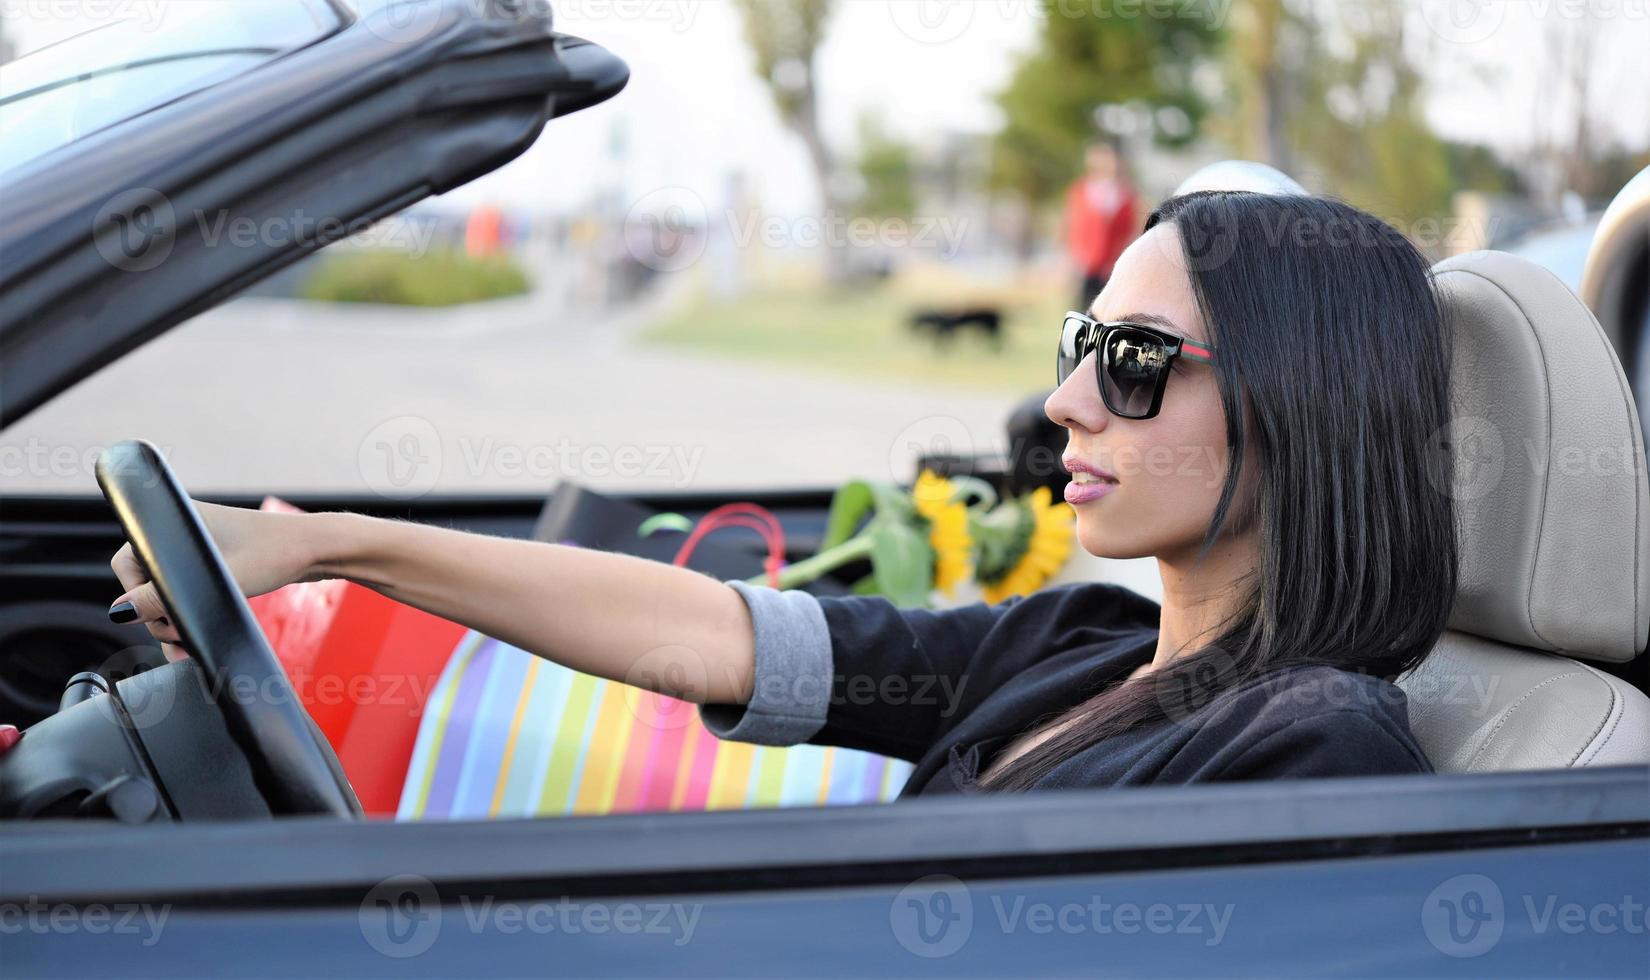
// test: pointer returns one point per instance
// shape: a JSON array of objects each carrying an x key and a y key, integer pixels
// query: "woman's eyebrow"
[{"x": 1154, "y": 320}]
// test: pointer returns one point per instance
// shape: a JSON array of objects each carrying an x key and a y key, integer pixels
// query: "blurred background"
[{"x": 815, "y": 239}]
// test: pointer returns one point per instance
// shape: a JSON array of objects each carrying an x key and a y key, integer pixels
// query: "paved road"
[{"x": 282, "y": 395}]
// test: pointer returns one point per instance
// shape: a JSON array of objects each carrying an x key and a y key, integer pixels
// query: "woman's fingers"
[
  {"x": 139, "y": 605},
  {"x": 128, "y": 569},
  {"x": 141, "y": 602}
]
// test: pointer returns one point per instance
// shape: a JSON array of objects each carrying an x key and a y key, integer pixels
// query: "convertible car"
[{"x": 217, "y": 835}]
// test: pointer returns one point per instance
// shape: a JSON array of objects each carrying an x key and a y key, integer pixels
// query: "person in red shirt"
[{"x": 1101, "y": 218}]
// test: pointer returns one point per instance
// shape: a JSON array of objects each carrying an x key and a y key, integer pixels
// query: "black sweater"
[{"x": 948, "y": 690}]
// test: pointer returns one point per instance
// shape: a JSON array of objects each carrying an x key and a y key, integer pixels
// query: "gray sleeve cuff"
[{"x": 793, "y": 671}]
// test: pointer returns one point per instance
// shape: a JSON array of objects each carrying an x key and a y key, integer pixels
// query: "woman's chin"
[{"x": 1105, "y": 542}]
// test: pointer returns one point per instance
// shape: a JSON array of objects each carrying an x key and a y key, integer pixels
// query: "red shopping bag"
[{"x": 364, "y": 666}]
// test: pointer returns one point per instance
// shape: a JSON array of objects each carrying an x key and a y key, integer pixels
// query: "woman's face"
[{"x": 1169, "y": 468}]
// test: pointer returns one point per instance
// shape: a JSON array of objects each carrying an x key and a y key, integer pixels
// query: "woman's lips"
[
  {"x": 1083, "y": 493},
  {"x": 1097, "y": 482}
]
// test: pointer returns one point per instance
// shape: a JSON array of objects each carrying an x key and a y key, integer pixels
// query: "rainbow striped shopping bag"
[{"x": 508, "y": 734}]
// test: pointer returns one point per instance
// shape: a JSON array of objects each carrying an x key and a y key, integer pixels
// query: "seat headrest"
[{"x": 1552, "y": 497}]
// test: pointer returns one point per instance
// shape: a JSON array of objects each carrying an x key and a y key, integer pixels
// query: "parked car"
[{"x": 215, "y": 835}]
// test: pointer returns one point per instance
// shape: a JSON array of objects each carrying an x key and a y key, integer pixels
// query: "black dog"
[{"x": 946, "y": 325}]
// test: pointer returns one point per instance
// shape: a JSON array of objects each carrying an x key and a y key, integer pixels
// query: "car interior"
[
  {"x": 1550, "y": 584},
  {"x": 211, "y": 798},
  {"x": 1540, "y": 669},
  {"x": 1555, "y": 568}
]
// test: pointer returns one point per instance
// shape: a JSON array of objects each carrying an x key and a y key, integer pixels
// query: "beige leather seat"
[{"x": 1554, "y": 510}]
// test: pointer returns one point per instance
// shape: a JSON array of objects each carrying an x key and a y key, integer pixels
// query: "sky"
[{"x": 694, "y": 112}]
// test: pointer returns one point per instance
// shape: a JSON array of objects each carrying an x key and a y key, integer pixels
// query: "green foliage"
[
  {"x": 886, "y": 166},
  {"x": 783, "y": 35},
  {"x": 439, "y": 278},
  {"x": 849, "y": 505},
  {"x": 1332, "y": 94},
  {"x": 902, "y": 563},
  {"x": 894, "y": 539},
  {"x": 1087, "y": 57},
  {"x": 1356, "y": 119},
  {"x": 1475, "y": 167}
]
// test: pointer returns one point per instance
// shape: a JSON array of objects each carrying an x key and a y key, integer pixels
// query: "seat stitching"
[
  {"x": 1597, "y": 742},
  {"x": 1514, "y": 707}
]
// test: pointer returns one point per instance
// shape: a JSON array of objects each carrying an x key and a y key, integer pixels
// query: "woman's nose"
[{"x": 1076, "y": 404}]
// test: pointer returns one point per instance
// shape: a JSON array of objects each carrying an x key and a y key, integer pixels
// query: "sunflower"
[
  {"x": 935, "y": 500},
  {"x": 1021, "y": 544}
]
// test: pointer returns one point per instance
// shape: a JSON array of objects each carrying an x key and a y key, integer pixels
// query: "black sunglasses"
[{"x": 1131, "y": 360}]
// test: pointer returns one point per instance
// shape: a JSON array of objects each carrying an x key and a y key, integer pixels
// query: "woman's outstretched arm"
[{"x": 616, "y": 616}]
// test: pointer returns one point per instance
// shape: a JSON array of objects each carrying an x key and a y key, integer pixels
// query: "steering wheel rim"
[{"x": 247, "y": 683}]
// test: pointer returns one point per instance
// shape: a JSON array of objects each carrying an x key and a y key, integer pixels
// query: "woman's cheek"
[
  {"x": 1127, "y": 523},
  {"x": 1156, "y": 510}
]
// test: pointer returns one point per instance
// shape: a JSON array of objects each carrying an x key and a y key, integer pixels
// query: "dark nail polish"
[{"x": 123, "y": 613}]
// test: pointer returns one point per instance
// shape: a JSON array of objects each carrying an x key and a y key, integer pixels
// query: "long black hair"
[{"x": 1331, "y": 336}]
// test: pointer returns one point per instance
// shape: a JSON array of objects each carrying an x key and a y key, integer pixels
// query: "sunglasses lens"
[
  {"x": 1071, "y": 349},
  {"x": 1131, "y": 368}
]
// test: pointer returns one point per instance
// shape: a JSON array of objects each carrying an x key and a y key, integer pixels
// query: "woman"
[{"x": 1249, "y": 402}]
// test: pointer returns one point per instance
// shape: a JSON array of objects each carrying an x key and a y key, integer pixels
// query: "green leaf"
[
  {"x": 848, "y": 505},
  {"x": 893, "y": 502},
  {"x": 865, "y": 586},
  {"x": 902, "y": 563}
]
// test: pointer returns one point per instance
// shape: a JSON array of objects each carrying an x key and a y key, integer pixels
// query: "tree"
[
  {"x": 887, "y": 172},
  {"x": 1266, "y": 44},
  {"x": 1086, "y": 58},
  {"x": 1331, "y": 95},
  {"x": 784, "y": 36}
]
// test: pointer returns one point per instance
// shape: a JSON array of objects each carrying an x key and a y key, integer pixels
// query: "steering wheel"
[{"x": 293, "y": 767}]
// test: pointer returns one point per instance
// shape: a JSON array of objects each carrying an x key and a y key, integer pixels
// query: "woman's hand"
[{"x": 264, "y": 551}]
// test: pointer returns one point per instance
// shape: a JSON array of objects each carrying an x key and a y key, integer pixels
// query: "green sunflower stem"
[{"x": 808, "y": 569}]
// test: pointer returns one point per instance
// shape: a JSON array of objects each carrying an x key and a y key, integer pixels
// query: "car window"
[{"x": 61, "y": 93}]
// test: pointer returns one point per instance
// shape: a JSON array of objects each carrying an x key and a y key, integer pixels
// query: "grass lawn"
[
  {"x": 444, "y": 277},
  {"x": 864, "y": 333}
]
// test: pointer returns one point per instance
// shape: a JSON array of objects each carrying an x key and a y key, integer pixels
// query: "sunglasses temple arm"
[{"x": 1197, "y": 352}]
